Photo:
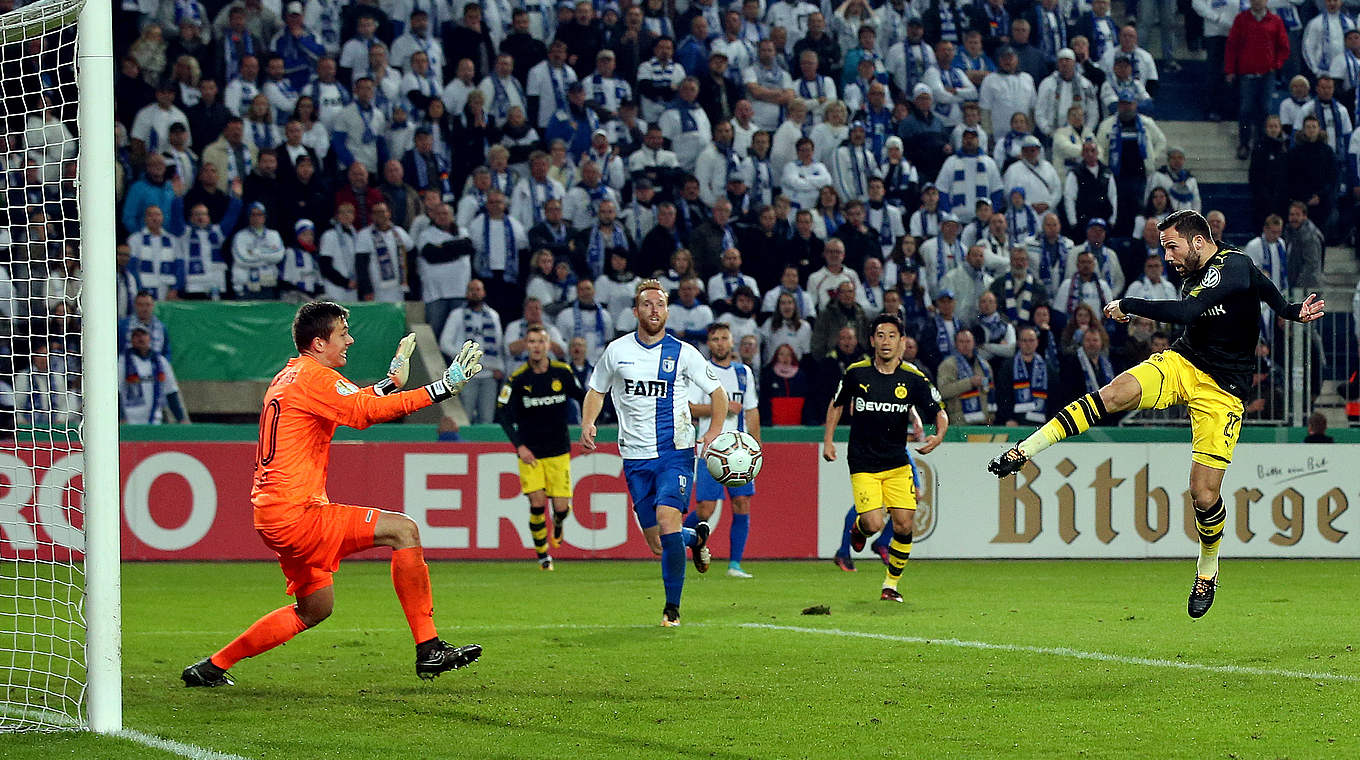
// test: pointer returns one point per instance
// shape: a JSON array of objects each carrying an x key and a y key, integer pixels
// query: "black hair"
[
  {"x": 887, "y": 319},
  {"x": 316, "y": 320},
  {"x": 1188, "y": 223}
]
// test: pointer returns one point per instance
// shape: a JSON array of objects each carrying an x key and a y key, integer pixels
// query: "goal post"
[
  {"x": 60, "y": 516},
  {"x": 99, "y": 436}
]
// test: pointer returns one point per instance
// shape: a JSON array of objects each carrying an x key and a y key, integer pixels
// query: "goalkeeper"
[{"x": 305, "y": 402}]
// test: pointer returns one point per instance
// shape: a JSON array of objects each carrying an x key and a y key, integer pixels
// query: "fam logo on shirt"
[{"x": 345, "y": 387}]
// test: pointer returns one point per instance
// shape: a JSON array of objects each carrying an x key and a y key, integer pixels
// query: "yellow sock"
[
  {"x": 1210, "y": 524},
  {"x": 1074, "y": 419},
  {"x": 899, "y": 551},
  {"x": 538, "y": 526}
]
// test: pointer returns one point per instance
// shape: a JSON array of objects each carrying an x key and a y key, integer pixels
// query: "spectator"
[
  {"x": 1269, "y": 253},
  {"x": 1132, "y": 143},
  {"x": 1333, "y": 119},
  {"x": 1152, "y": 285},
  {"x": 143, "y": 317},
  {"x": 967, "y": 176},
  {"x": 516, "y": 348},
  {"x": 967, "y": 281},
  {"x": 784, "y": 388},
  {"x": 843, "y": 311},
  {"x": 257, "y": 251},
  {"x": 1086, "y": 66},
  {"x": 381, "y": 256},
  {"x": 157, "y": 256},
  {"x": 475, "y": 320},
  {"x": 551, "y": 282},
  {"x": 924, "y": 133},
  {"x": 605, "y": 237},
  {"x": 1106, "y": 260},
  {"x": 787, "y": 326},
  {"x": 804, "y": 178},
  {"x": 1019, "y": 291},
  {"x": 146, "y": 384},
  {"x": 824, "y": 284},
  {"x": 1086, "y": 287},
  {"x": 993, "y": 332},
  {"x": 1268, "y": 172},
  {"x": 689, "y": 317},
  {"x": 965, "y": 383},
  {"x": 1324, "y": 38},
  {"x": 444, "y": 266},
  {"x": 831, "y": 367},
  {"x": 498, "y": 241},
  {"x": 1304, "y": 244},
  {"x": 1317, "y": 429},
  {"x": 1097, "y": 27},
  {"x": 1079, "y": 321},
  {"x": 1089, "y": 369},
  {"x": 1177, "y": 181},
  {"x": 937, "y": 338},
  {"x": 1069, "y": 138},
  {"x": 1008, "y": 92},
  {"x": 658, "y": 80},
  {"x": 1023, "y": 383},
  {"x": 1257, "y": 47},
  {"x": 1049, "y": 252},
  {"x": 1312, "y": 171}
]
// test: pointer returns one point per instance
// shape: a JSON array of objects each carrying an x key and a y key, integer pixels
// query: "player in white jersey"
[
  {"x": 740, "y": 384},
  {"x": 649, "y": 375}
]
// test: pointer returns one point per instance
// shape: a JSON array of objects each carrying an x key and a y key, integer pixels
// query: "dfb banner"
[{"x": 188, "y": 501}]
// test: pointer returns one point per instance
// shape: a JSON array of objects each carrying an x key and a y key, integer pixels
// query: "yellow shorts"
[
  {"x": 894, "y": 489},
  {"x": 551, "y": 474},
  {"x": 1167, "y": 378}
]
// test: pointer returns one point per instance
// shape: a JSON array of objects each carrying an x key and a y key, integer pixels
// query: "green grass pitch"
[{"x": 576, "y": 665}]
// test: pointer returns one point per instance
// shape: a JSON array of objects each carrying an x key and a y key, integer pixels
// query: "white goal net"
[{"x": 42, "y": 630}]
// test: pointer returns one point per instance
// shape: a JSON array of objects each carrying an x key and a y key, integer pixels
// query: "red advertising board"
[{"x": 190, "y": 501}]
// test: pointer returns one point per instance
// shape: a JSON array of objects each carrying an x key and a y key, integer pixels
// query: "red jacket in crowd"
[{"x": 1256, "y": 46}]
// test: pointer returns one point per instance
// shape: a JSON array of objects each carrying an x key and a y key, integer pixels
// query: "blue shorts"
[
  {"x": 708, "y": 489},
  {"x": 664, "y": 481}
]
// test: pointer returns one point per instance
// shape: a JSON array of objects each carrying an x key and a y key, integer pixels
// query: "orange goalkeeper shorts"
[{"x": 310, "y": 548}]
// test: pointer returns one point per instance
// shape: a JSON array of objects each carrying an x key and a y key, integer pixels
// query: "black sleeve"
[
  {"x": 532, "y": 115},
  {"x": 1220, "y": 281},
  {"x": 1271, "y": 296},
  {"x": 927, "y": 399},
  {"x": 506, "y": 404},
  {"x": 843, "y": 391},
  {"x": 447, "y": 251},
  {"x": 574, "y": 390},
  {"x": 361, "y": 274},
  {"x": 327, "y": 266},
  {"x": 419, "y": 100}
]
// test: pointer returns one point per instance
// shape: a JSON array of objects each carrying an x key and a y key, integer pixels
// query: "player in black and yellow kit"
[
  {"x": 532, "y": 409},
  {"x": 1208, "y": 369},
  {"x": 880, "y": 393}
]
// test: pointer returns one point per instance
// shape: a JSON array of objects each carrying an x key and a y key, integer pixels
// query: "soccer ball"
[{"x": 734, "y": 458}]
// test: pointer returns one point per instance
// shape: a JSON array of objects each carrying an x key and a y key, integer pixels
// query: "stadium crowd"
[{"x": 993, "y": 172}]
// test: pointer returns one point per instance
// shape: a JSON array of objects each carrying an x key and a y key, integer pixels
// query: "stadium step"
[{"x": 1210, "y": 150}]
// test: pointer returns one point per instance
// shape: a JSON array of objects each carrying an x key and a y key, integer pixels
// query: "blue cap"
[
  {"x": 946, "y": 293},
  {"x": 1098, "y": 222},
  {"x": 257, "y": 206}
]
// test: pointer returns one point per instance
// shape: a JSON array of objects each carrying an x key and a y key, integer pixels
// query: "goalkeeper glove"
[
  {"x": 400, "y": 367},
  {"x": 464, "y": 367}
]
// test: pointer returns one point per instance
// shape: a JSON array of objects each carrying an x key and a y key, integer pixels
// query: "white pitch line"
[
  {"x": 179, "y": 748},
  {"x": 1064, "y": 652},
  {"x": 314, "y": 631}
]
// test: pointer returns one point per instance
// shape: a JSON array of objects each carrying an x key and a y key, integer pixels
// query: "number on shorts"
[
  {"x": 1233, "y": 421},
  {"x": 269, "y": 431}
]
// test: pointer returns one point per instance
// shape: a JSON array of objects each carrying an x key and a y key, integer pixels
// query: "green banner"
[{"x": 252, "y": 340}]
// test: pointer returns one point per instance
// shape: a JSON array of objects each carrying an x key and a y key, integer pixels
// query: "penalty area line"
[
  {"x": 1064, "y": 652},
  {"x": 178, "y": 748}
]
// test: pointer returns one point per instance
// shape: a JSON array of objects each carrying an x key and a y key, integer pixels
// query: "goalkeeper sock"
[
  {"x": 884, "y": 539},
  {"x": 692, "y": 519},
  {"x": 673, "y": 567},
  {"x": 411, "y": 579},
  {"x": 1210, "y": 524},
  {"x": 741, "y": 528},
  {"x": 899, "y": 550},
  {"x": 538, "y": 528},
  {"x": 1074, "y": 419},
  {"x": 265, "y": 634}
]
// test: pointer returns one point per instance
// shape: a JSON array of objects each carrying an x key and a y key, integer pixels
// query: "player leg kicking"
[
  {"x": 1208, "y": 369},
  {"x": 310, "y": 535},
  {"x": 880, "y": 394},
  {"x": 649, "y": 375},
  {"x": 743, "y": 415}
]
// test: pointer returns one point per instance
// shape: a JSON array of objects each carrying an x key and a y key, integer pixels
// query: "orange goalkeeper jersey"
[{"x": 304, "y": 404}]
